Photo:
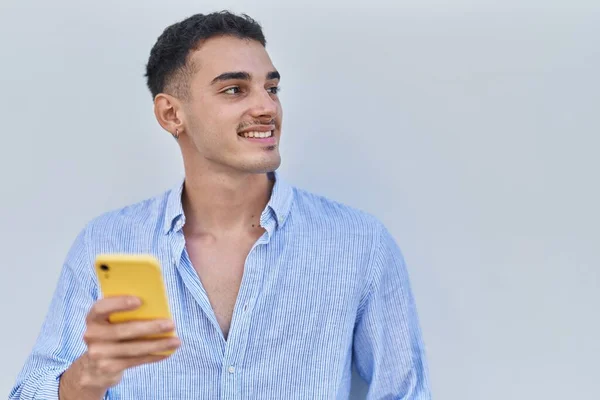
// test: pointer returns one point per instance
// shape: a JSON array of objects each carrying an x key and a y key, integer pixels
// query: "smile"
[{"x": 256, "y": 134}]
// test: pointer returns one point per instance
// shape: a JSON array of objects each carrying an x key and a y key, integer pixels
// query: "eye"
[
  {"x": 232, "y": 90},
  {"x": 274, "y": 90}
]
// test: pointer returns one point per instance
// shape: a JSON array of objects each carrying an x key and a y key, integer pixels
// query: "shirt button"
[{"x": 231, "y": 369}]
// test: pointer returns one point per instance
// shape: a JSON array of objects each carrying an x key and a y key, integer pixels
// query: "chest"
[
  {"x": 220, "y": 268},
  {"x": 302, "y": 312}
]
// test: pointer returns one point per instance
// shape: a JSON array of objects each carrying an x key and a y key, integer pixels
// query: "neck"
[{"x": 221, "y": 203}]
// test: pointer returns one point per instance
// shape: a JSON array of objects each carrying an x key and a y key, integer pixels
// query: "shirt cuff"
[
  {"x": 41, "y": 384},
  {"x": 45, "y": 386}
]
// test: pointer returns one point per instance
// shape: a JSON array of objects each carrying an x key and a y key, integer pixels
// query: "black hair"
[{"x": 168, "y": 68}]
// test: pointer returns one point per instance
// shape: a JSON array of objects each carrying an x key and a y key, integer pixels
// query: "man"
[{"x": 275, "y": 292}]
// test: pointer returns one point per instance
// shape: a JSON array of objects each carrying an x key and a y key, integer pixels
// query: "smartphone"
[{"x": 139, "y": 276}]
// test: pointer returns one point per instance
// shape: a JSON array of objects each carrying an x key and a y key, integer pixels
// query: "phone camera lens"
[{"x": 104, "y": 267}]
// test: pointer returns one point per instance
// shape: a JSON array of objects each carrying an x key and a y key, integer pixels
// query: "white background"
[{"x": 469, "y": 128}]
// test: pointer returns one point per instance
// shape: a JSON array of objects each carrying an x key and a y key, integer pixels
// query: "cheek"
[
  {"x": 211, "y": 123},
  {"x": 225, "y": 123},
  {"x": 219, "y": 129}
]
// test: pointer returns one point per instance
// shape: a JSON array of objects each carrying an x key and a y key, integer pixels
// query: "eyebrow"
[
  {"x": 243, "y": 76},
  {"x": 273, "y": 75}
]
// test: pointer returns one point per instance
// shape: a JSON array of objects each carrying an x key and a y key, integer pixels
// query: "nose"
[{"x": 264, "y": 105}]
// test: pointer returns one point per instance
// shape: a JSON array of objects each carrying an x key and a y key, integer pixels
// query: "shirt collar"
[{"x": 282, "y": 197}]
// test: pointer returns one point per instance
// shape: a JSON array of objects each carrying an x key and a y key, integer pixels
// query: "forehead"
[{"x": 230, "y": 54}]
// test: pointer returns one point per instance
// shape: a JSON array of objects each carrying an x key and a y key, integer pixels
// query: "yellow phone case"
[{"x": 139, "y": 276}]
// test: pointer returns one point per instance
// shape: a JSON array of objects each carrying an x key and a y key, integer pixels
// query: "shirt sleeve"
[
  {"x": 60, "y": 340},
  {"x": 388, "y": 346}
]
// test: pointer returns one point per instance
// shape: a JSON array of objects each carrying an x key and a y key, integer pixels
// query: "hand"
[{"x": 115, "y": 347}]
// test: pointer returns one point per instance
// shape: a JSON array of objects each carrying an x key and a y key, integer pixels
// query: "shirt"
[{"x": 325, "y": 288}]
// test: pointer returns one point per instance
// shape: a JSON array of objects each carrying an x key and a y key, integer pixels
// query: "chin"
[{"x": 261, "y": 166}]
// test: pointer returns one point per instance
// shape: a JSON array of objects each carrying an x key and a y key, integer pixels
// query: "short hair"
[{"x": 168, "y": 68}]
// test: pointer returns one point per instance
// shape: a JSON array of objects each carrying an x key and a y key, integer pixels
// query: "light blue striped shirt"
[{"x": 324, "y": 288}]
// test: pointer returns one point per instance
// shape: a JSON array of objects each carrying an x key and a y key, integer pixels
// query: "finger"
[
  {"x": 108, "y": 371},
  {"x": 132, "y": 349},
  {"x": 106, "y": 306},
  {"x": 126, "y": 363},
  {"x": 127, "y": 330}
]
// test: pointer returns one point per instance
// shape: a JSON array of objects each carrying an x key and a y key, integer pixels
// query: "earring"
[{"x": 176, "y": 135}]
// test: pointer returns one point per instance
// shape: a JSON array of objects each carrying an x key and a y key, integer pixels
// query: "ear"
[{"x": 169, "y": 113}]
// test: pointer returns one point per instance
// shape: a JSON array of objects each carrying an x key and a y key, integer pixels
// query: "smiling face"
[{"x": 231, "y": 117}]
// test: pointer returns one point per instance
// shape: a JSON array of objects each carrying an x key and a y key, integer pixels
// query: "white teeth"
[{"x": 258, "y": 134}]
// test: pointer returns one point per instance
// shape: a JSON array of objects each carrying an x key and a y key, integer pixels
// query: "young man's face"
[{"x": 232, "y": 97}]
